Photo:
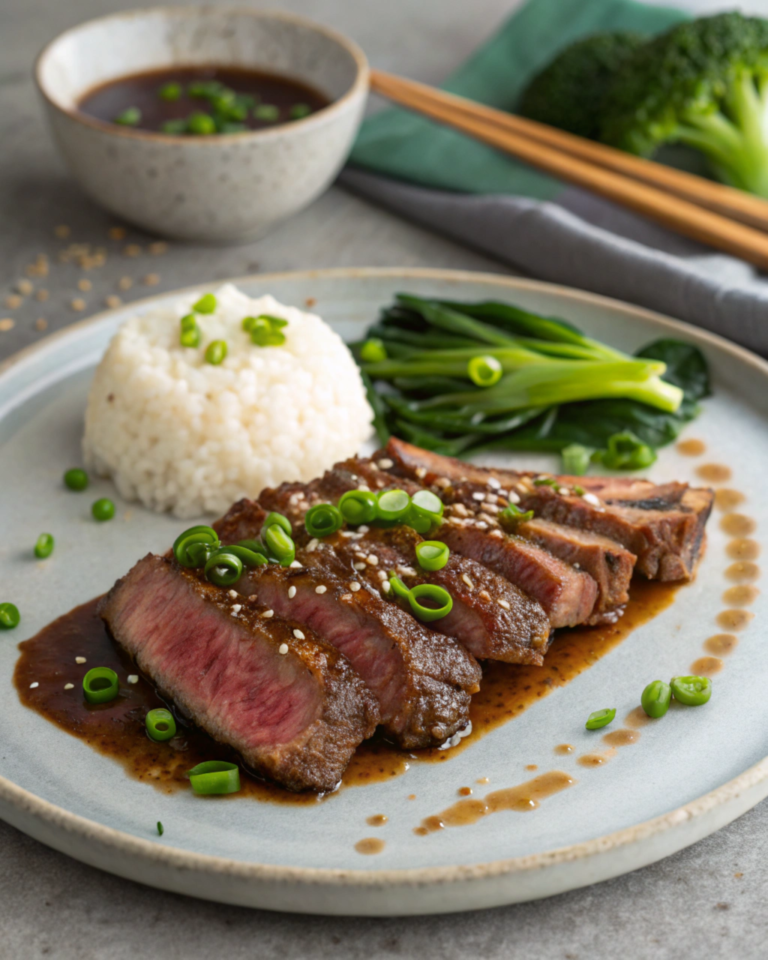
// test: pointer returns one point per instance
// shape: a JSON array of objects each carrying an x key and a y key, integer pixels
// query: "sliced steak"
[
  {"x": 292, "y": 707},
  {"x": 662, "y": 525},
  {"x": 422, "y": 681}
]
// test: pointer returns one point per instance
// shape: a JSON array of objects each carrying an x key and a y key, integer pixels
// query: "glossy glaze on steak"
[{"x": 292, "y": 707}]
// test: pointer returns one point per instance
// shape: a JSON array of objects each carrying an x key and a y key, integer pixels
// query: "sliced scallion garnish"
[
  {"x": 432, "y": 554},
  {"x": 322, "y": 520},
  {"x": 214, "y": 777},
  {"x": 160, "y": 724},
  {"x": 100, "y": 685},
  {"x": 358, "y": 506}
]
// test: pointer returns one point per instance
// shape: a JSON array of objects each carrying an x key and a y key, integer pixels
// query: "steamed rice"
[{"x": 182, "y": 435}]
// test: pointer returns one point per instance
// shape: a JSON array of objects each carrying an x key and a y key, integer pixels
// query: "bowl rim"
[{"x": 359, "y": 85}]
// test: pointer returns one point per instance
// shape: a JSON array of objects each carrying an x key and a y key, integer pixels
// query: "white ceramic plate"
[{"x": 688, "y": 775}]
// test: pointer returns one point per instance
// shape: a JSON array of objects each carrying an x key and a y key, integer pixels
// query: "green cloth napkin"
[{"x": 405, "y": 146}]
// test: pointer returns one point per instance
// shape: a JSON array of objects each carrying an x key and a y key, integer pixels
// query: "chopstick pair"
[{"x": 712, "y": 213}]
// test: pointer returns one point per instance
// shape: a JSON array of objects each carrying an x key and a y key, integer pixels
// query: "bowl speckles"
[{"x": 222, "y": 189}]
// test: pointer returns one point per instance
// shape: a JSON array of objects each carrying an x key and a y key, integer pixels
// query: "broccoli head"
[
  {"x": 569, "y": 92},
  {"x": 704, "y": 84}
]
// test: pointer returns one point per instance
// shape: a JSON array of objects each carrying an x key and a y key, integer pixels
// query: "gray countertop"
[{"x": 706, "y": 902}]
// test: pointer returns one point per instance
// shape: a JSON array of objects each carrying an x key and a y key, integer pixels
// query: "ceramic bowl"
[{"x": 224, "y": 188}]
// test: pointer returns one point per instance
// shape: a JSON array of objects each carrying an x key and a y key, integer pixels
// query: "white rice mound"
[{"x": 183, "y": 435}]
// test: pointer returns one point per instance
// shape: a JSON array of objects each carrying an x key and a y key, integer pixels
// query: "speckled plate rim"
[{"x": 392, "y": 892}]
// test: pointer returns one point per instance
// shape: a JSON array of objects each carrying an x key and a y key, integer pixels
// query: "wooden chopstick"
[{"x": 494, "y": 128}]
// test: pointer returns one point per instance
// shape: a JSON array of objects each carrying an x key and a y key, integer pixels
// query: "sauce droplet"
[
  {"x": 706, "y": 666},
  {"x": 532, "y": 766},
  {"x": 465, "y": 791},
  {"x": 738, "y": 525},
  {"x": 521, "y": 799},
  {"x": 734, "y": 619},
  {"x": 743, "y": 549},
  {"x": 742, "y": 570},
  {"x": 741, "y": 595},
  {"x": 637, "y": 718},
  {"x": 721, "y": 644},
  {"x": 411, "y": 796},
  {"x": 727, "y": 499},
  {"x": 483, "y": 780},
  {"x": 621, "y": 738},
  {"x": 691, "y": 448},
  {"x": 714, "y": 472},
  {"x": 377, "y": 820},
  {"x": 593, "y": 759},
  {"x": 563, "y": 749},
  {"x": 369, "y": 846},
  {"x": 420, "y": 831}
]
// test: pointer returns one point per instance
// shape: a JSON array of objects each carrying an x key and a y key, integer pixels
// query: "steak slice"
[
  {"x": 292, "y": 707},
  {"x": 492, "y": 618},
  {"x": 662, "y": 525},
  {"x": 422, "y": 681}
]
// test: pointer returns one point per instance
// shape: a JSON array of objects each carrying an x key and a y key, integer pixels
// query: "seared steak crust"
[
  {"x": 422, "y": 681},
  {"x": 292, "y": 706}
]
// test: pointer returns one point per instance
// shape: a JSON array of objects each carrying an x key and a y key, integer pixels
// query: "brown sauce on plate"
[
  {"x": 564, "y": 749},
  {"x": 742, "y": 595},
  {"x": 691, "y": 448},
  {"x": 116, "y": 729},
  {"x": 706, "y": 666},
  {"x": 742, "y": 570},
  {"x": 726, "y": 499},
  {"x": 721, "y": 644},
  {"x": 733, "y": 619},
  {"x": 737, "y": 525},
  {"x": 621, "y": 737},
  {"x": 369, "y": 846},
  {"x": 140, "y": 91},
  {"x": 714, "y": 472},
  {"x": 743, "y": 549},
  {"x": 377, "y": 820}
]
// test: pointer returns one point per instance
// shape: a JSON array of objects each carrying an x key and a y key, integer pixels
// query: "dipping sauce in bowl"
[{"x": 202, "y": 100}]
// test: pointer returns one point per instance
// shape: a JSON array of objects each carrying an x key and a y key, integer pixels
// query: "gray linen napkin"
[{"x": 586, "y": 242}]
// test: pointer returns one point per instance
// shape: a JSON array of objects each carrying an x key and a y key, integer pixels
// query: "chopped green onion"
[
  {"x": 205, "y": 89},
  {"x": 359, "y": 506},
  {"x": 322, "y": 520},
  {"x": 512, "y": 514},
  {"x": 131, "y": 117},
  {"x": 283, "y": 522},
  {"x": 265, "y": 331},
  {"x": 76, "y": 479},
  {"x": 254, "y": 546},
  {"x": 426, "y": 511},
  {"x": 174, "y": 127},
  {"x": 223, "y": 568},
  {"x": 170, "y": 91},
  {"x": 430, "y": 591},
  {"x": 250, "y": 558},
  {"x": 190, "y": 332},
  {"x": 484, "y": 371},
  {"x": 625, "y": 451},
  {"x": 373, "y": 351},
  {"x": 44, "y": 546},
  {"x": 579, "y": 491},
  {"x": 216, "y": 352},
  {"x": 103, "y": 509},
  {"x": 600, "y": 718},
  {"x": 267, "y": 112},
  {"x": 546, "y": 482},
  {"x": 432, "y": 554},
  {"x": 160, "y": 829},
  {"x": 399, "y": 588},
  {"x": 160, "y": 724},
  {"x": 576, "y": 459},
  {"x": 279, "y": 544},
  {"x": 100, "y": 685},
  {"x": 656, "y": 698},
  {"x": 692, "y": 691},
  {"x": 9, "y": 616},
  {"x": 193, "y": 547},
  {"x": 206, "y": 304},
  {"x": 300, "y": 110},
  {"x": 201, "y": 124},
  {"x": 393, "y": 505},
  {"x": 214, "y": 777}
]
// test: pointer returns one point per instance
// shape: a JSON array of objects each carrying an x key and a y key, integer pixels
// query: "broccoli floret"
[
  {"x": 704, "y": 84},
  {"x": 569, "y": 92}
]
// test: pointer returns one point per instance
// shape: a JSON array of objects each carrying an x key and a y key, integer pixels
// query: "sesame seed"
[
  {"x": 385, "y": 463},
  {"x": 237, "y": 607},
  {"x": 373, "y": 465},
  {"x": 296, "y": 565},
  {"x": 266, "y": 614},
  {"x": 24, "y": 287},
  {"x": 33, "y": 685},
  {"x": 382, "y": 574},
  {"x": 406, "y": 571},
  {"x": 84, "y": 285},
  {"x": 495, "y": 533},
  {"x": 291, "y": 592},
  {"x": 151, "y": 279},
  {"x": 421, "y": 472},
  {"x": 132, "y": 678},
  {"x": 386, "y": 586},
  {"x": 481, "y": 525},
  {"x": 363, "y": 529},
  {"x": 298, "y": 634},
  {"x": 479, "y": 496},
  {"x": 125, "y": 283},
  {"x": 41, "y": 295},
  {"x": 321, "y": 589},
  {"x": 312, "y": 545},
  {"x": 78, "y": 304},
  {"x": 233, "y": 594},
  {"x": 41, "y": 323},
  {"x": 359, "y": 566},
  {"x": 7, "y": 324},
  {"x": 283, "y": 649},
  {"x": 364, "y": 487},
  {"x": 563, "y": 491},
  {"x": 372, "y": 559},
  {"x": 354, "y": 586},
  {"x": 513, "y": 497},
  {"x": 13, "y": 300},
  {"x": 460, "y": 509},
  {"x": 468, "y": 582},
  {"x": 484, "y": 595},
  {"x": 493, "y": 482},
  {"x": 69, "y": 686},
  {"x": 591, "y": 498},
  {"x": 80, "y": 660},
  {"x": 487, "y": 518},
  {"x": 504, "y": 604}
]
